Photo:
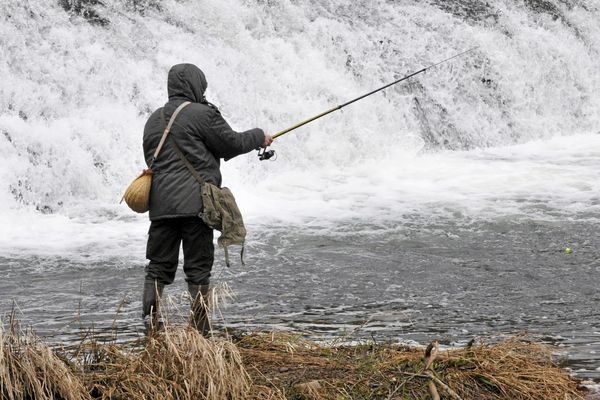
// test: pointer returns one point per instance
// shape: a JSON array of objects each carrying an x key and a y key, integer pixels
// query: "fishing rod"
[{"x": 264, "y": 154}]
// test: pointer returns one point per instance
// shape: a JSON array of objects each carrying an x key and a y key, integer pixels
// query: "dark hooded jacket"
[{"x": 203, "y": 136}]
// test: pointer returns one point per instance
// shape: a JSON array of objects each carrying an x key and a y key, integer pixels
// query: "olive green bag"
[{"x": 219, "y": 211}]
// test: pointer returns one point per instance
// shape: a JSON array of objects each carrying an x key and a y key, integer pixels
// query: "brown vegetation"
[
  {"x": 29, "y": 369},
  {"x": 179, "y": 363},
  {"x": 287, "y": 366}
]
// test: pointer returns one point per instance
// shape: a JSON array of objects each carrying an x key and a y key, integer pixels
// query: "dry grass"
[
  {"x": 513, "y": 369},
  {"x": 178, "y": 363},
  {"x": 286, "y": 366},
  {"x": 29, "y": 369}
]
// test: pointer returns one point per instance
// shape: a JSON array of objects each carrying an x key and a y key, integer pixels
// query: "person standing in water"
[{"x": 204, "y": 137}]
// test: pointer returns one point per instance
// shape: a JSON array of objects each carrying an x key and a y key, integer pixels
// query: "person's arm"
[{"x": 226, "y": 143}]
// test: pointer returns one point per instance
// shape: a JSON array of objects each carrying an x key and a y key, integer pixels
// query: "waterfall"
[{"x": 81, "y": 77}]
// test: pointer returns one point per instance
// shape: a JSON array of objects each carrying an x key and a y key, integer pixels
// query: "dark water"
[{"x": 415, "y": 282}]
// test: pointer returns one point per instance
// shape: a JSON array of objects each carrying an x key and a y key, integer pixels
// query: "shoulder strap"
[
  {"x": 186, "y": 162},
  {"x": 167, "y": 130}
]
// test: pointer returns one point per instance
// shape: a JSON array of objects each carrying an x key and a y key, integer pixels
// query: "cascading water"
[{"x": 487, "y": 163}]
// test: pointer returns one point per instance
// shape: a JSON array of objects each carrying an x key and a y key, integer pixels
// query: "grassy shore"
[{"x": 178, "y": 363}]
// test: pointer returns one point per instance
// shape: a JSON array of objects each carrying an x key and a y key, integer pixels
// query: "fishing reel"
[{"x": 264, "y": 154}]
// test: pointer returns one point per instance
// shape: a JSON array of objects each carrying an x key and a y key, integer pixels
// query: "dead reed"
[
  {"x": 287, "y": 366},
  {"x": 30, "y": 369},
  {"x": 178, "y": 363},
  {"x": 512, "y": 369}
]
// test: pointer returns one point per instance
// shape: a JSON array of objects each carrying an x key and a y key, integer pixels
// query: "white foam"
[
  {"x": 75, "y": 98},
  {"x": 558, "y": 174}
]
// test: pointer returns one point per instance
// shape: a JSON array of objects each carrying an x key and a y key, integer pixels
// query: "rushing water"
[{"x": 439, "y": 209}]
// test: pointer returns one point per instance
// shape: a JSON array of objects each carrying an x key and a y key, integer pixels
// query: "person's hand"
[{"x": 267, "y": 142}]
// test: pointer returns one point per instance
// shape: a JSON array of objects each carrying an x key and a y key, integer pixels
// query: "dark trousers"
[{"x": 164, "y": 239}]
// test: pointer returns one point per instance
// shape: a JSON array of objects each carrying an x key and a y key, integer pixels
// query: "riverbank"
[
  {"x": 295, "y": 368},
  {"x": 180, "y": 364}
]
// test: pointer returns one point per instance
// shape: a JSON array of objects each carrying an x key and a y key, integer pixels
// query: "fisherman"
[{"x": 204, "y": 137}]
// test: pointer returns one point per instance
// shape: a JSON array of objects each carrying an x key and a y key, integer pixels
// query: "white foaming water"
[
  {"x": 540, "y": 179},
  {"x": 509, "y": 129}
]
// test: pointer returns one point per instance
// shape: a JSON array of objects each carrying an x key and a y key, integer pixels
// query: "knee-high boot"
[
  {"x": 150, "y": 303},
  {"x": 200, "y": 318}
]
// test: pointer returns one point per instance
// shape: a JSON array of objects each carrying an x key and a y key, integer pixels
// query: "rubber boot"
[
  {"x": 200, "y": 313},
  {"x": 150, "y": 305}
]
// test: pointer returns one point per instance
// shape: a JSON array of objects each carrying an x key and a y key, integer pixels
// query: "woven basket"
[{"x": 137, "y": 195}]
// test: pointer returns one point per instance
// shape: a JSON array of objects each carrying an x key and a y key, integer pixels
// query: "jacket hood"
[{"x": 187, "y": 81}]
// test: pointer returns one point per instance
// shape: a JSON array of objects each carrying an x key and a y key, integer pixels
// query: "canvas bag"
[
  {"x": 219, "y": 210},
  {"x": 137, "y": 194}
]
